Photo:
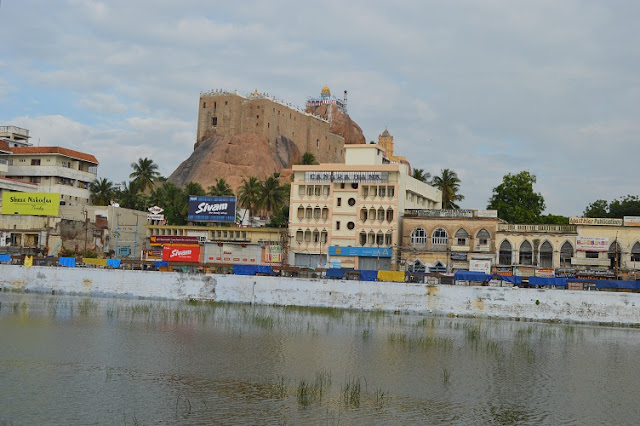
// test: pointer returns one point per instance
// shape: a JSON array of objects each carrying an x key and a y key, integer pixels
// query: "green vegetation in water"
[
  {"x": 445, "y": 376},
  {"x": 351, "y": 392}
]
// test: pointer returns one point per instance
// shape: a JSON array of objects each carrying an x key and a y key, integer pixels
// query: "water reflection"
[{"x": 67, "y": 359}]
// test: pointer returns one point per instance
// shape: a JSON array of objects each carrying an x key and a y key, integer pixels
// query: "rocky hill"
[{"x": 235, "y": 158}]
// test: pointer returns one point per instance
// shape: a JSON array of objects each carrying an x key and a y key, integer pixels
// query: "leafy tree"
[
  {"x": 308, "y": 159},
  {"x": 221, "y": 189},
  {"x": 194, "y": 188},
  {"x": 173, "y": 202},
  {"x": 449, "y": 183},
  {"x": 551, "y": 219},
  {"x": 102, "y": 191},
  {"x": 421, "y": 175},
  {"x": 145, "y": 173},
  {"x": 629, "y": 205},
  {"x": 515, "y": 200},
  {"x": 249, "y": 194},
  {"x": 599, "y": 208},
  {"x": 130, "y": 197}
]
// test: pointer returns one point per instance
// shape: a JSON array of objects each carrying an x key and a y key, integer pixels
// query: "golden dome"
[{"x": 325, "y": 91}]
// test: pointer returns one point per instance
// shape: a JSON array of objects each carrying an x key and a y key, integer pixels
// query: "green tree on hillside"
[
  {"x": 515, "y": 200},
  {"x": 221, "y": 189},
  {"x": 308, "y": 159},
  {"x": 449, "y": 183}
]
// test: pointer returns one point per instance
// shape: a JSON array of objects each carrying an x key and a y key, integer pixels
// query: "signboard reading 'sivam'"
[
  {"x": 212, "y": 209},
  {"x": 30, "y": 203}
]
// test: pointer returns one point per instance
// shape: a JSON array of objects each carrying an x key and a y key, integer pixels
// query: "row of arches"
[
  {"x": 439, "y": 237},
  {"x": 313, "y": 212},
  {"x": 309, "y": 236}
]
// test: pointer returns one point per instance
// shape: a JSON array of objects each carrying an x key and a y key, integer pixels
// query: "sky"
[{"x": 484, "y": 88}]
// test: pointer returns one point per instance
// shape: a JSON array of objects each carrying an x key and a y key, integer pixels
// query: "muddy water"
[{"x": 75, "y": 360}]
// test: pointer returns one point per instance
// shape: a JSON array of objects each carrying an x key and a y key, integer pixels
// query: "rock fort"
[{"x": 257, "y": 135}]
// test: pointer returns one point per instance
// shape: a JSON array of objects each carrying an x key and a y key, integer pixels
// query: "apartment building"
[{"x": 350, "y": 215}]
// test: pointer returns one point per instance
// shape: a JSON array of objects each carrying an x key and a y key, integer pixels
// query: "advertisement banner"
[
  {"x": 631, "y": 221},
  {"x": 595, "y": 221},
  {"x": 360, "y": 251},
  {"x": 480, "y": 265},
  {"x": 157, "y": 240},
  {"x": 592, "y": 244},
  {"x": 274, "y": 254},
  {"x": 181, "y": 253},
  {"x": 212, "y": 209},
  {"x": 30, "y": 203},
  {"x": 458, "y": 256},
  {"x": 545, "y": 273}
]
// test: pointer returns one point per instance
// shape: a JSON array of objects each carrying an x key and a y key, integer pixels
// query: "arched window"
[
  {"x": 363, "y": 214},
  {"x": 372, "y": 238},
  {"x": 380, "y": 214},
  {"x": 363, "y": 238},
  {"x": 483, "y": 238},
  {"x": 307, "y": 236},
  {"x": 566, "y": 253},
  {"x": 325, "y": 213},
  {"x": 316, "y": 213},
  {"x": 546, "y": 255},
  {"x": 299, "y": 235},
  {"x": 417, "y": 266},
  {"x": 388, "y": 239},
  {"x": 526, "y": 254},
  {"x": 462, "y": 237},
  {"x": 504, "y": 256},
  {"x": 635, "y": 253},
  {"x": 372, "y": 214},
  {"x": 389, "y": 214},
  {"x": 615, "y": 255},
  {"x": 418, "y": 237},
  {"x": 380, "y": 238},
  {"x": 300, "y": 212},
  {"x": 440, "y": 237},
  {"x": 309, "y": 213}
]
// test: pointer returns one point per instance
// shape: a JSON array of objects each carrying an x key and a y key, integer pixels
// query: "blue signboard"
[
  {"x": 360, "y": 251},
  {"x": 212, "y": 209}
]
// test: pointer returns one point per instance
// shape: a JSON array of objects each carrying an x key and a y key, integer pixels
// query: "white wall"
[{"x": 563, "y": 305}]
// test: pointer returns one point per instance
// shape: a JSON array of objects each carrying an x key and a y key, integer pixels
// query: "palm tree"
[
  {"x": 308, "y": 159},
  {"x": 421, "y": 175},
  {"x": 102, "y": 191},
  {"x": 145, "y": 173},
  {"x": 449, "y": 183},
  {"x": 249, "y": 194},
  {"x": 271, "y": 195},
  {"x": 221, "y": 189},
  {"x": 194, "y": 188},
  {"x": 130, "y": 197}
]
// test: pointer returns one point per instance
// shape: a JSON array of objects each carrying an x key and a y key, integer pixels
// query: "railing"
[{"x": 560, "y": 229}]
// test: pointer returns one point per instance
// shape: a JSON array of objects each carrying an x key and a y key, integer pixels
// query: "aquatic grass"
[
  {"x": 445, "y": 376},
  {"x": 366, "y": 334},
  {"x": 351, "y": 392}
]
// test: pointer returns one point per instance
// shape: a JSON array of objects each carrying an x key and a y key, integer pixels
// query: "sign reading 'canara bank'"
[{"x": 30, "y": 203}]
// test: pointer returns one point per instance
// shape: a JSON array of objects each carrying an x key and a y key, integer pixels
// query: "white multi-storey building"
[
  {"x": 350, "y": 215},
  {"x": 53, "y": 169}
]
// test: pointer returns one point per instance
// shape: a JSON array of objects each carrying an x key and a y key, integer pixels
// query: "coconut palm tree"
[
  {"x": 308, "y": 159},
  {"x": 272, "y": 195},
  {"x": 145, "y": 173},
  {"x": 130, "y": 196},
  {"x": 102, "y": 191},
  {"x": 249, "y": 194},
  {"x": 221, "y": 189},
  {"x": 449, "y": 183},
  {"x": 421, "y": 175}
]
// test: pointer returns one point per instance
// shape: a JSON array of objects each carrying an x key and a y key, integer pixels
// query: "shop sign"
[
  {"x": 155, "y": 210},
  {"x": 505, "y": 271},
  {"x": 458, "y": 256},
  {"x": 595, "y": 221},
  {"x": 212, "y": 209},
  {"x": 485, "y": 213},
  {"x": 155, "y": 216},
  {"x": 360, "y": 251},
  {"x": 592, "y": 244},
  {"x": 480, "y": 265},
  {"x": 176, "y": 253},
  {"x": 172, "y": 239},
  {"x": 453, "y": 213},
  {"x": 274, "y": 254},
  {"x": 347, "y": 177},
  {"x": 30, "y": 203},
  {"x": 524, "y": 271},
  {"x": 545, "y": 273},
  {"x": 631, "y": 221}
]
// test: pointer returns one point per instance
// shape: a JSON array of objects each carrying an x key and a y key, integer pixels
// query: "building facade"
[
  {"x": 350, "y": 215},
  {"x": 223, "y": 113}
]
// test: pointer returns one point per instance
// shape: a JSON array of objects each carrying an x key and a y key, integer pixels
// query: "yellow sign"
[{"x": 30, "y": 203}]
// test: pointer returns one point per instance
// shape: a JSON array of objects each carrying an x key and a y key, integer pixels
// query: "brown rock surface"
[
  {"x": 234, "y": 158},
  {"x": 341, "y": 124}
]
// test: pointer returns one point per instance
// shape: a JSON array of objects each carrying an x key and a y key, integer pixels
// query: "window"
[
  {"x": 316, "y": 236},
  {"x": 380, "y": 238},
  {"x": 546, "y": 255},
  {"x": 318, "y": 190},
  {"x": 440, "y": 237},
  {"x": 462, "y": 237},
  {"x": 215, "y": 104},
  {"x": 301, "y": 190},
  {"x": 204, "y": 105},
  {"x": 363, "y": 215},
  {"x": 418, "y": 237},
  {"x": 363, "y": 238},
  {"x": 591, "y": 254},
  {"x": 352, "y": 201},
  {"x": 391, "y": 191},
  {"x": 372, "y": 238},
  {"x": 307, "y": 236},
  {"x": 382, "y": 191},
  {"x": 389, "y": 215},
  {"x": 381, "y": 214},
  {"x": 325, "y": 190},
  {"x": 300, "y": 213},
  {"x": 214, "y": 121},
  {"x": 374, "y": 191},
  {"x": 365, "y": 191},
  {"x": 566, "y": 253},
  {"x": 388, "y": 239},
  {"x": 309, "y": 190},
  {"x": 325, "y": 213},
  {"x": 526, "y": 254},
  {"x": 350, "y": 225},
  {"x": 308, "y": 212},
  {"x": 354, "y": 185},
  {"x": 316, "y": 213},
  {"x": 504, "y": 256},
  {"x": 35, "y": 162},
  {"x": 635, "y": 253},
  {"x": 337, "y": 225},
  {"x": 339, "y": 202},
  {"x": 483, "y": 237},
  {"x": 417, "y": 266}
]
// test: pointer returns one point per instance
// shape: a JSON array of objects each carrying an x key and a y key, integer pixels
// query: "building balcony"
[{"x": 58, "y": 171}]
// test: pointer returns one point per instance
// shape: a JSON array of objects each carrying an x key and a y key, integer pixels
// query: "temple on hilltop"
[
  {"x": 385, "y": 140},
  {"x": 326, "y": 98}
]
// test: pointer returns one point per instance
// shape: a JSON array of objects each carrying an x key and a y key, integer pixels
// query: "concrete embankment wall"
[{"x": 532, "y": 304}]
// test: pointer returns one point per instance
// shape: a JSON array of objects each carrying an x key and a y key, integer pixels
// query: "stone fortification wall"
[
  {"x": 228, "y": 114},
  {"x": 548, "y": 305}
]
